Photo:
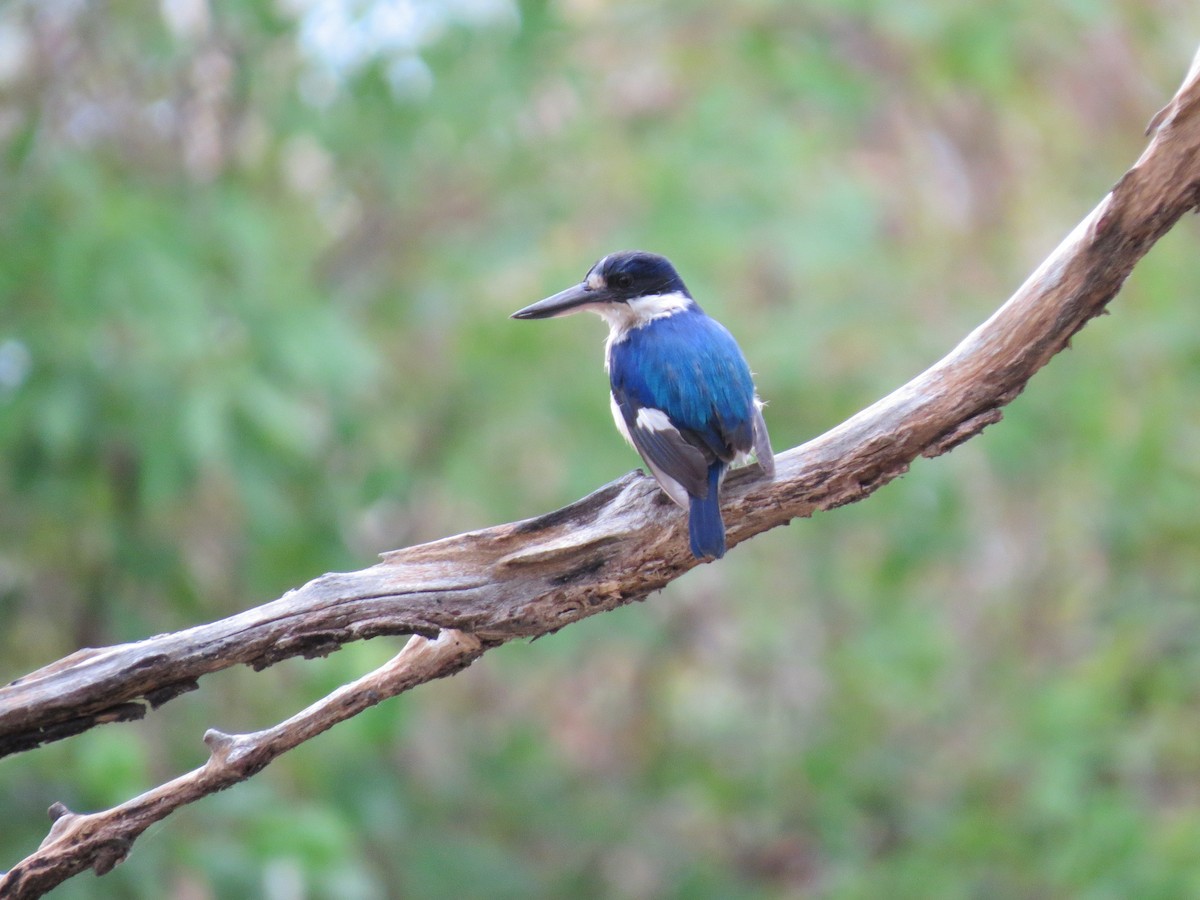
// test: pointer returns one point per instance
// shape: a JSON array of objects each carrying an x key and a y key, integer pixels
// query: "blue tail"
[{"x": 705, "y": 528}]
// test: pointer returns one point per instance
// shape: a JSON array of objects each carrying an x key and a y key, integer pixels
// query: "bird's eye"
[{"x": 624, "y": 280}]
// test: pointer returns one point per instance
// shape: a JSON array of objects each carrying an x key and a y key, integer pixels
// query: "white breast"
[{"x": 620, "y": 420}]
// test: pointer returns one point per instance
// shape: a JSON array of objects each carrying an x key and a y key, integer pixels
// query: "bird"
[{"x": 681, "y": 392}]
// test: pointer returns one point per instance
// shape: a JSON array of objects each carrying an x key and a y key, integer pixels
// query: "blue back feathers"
[{"x": 690, "y": 367}]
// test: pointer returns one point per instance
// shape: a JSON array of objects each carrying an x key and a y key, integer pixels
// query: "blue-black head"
[{"x": 618, "y": 278}]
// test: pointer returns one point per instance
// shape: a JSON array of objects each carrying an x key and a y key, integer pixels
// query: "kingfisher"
[{"x": 682, "y": 393}]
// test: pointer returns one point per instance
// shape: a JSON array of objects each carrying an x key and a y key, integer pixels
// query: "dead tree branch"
[
  {"x": 477, "y": 590},
  {"x": 101, "y": 840}
]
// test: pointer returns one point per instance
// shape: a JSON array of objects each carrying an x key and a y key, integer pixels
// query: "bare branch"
[
  {"x": 101, "y": 840},
  {"x": 619, "y": 544}
]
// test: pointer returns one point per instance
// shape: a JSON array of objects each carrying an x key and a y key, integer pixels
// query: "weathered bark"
[
  {"x": 101, "y": 840},
  {"x": 621, "y": 543}
]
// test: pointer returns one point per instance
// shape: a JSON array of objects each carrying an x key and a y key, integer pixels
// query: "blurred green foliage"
[{"x": 257, "y": 261}]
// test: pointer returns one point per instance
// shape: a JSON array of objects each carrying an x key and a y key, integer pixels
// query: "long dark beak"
[{"x": 564, "y": 302}]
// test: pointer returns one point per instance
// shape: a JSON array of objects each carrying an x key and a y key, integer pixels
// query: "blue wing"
[{"x": 687, "y": 398}]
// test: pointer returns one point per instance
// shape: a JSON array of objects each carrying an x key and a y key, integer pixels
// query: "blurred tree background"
[{"x": 257, "y": 262}]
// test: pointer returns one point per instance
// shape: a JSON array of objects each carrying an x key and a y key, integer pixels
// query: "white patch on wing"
[
  {"x": 653, "y": 420},
  {"x": 670, "y": 486}
]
